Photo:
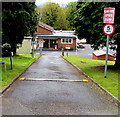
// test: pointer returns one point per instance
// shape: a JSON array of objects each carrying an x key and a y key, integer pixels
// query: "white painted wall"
[
  {"x": 41, "y": 41},
  {"x": 26, "y": 47}
]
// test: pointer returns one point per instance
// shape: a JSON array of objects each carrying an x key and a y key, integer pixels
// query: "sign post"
[
  {"x": 108, "y": 29},
  {"x": 107, "y": 45}
]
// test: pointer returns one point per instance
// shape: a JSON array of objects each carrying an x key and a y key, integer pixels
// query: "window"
[{"x": 67, "y": 41}]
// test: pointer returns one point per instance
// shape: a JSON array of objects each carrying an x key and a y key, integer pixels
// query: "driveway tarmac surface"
[{"x": 54, "y": 98}]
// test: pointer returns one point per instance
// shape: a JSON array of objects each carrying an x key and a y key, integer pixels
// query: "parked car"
[
  {"x": 113, "y": 47},
  {"x": 115, "y": 54},
  {"x": 79, "y": 45}
]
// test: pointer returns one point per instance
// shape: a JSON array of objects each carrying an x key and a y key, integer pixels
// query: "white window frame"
[{"x": 66, "y": 41}]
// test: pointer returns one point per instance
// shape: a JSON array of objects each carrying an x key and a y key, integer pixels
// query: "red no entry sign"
[{"x": 109, "y": 14}]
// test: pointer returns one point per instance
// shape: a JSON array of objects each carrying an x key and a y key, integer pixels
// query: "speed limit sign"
[{"x": 108, "y": 29}]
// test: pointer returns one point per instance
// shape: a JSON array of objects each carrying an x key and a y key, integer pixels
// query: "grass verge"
[
  {"x": 95, "y": 70},
  {"x": 19, "y": 64}
]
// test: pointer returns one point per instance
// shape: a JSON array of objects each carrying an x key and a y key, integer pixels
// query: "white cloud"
[{"x": 42, "y": 2}]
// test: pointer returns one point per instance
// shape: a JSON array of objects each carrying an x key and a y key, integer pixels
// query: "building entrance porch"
[{"x": 50, "y": 43}]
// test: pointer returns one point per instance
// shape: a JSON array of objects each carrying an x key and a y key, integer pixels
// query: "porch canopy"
[
  {"x": 57, "y": 39},
  {"x": 56, "y": 35}
]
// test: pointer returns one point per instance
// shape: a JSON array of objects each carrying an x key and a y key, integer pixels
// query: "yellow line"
[
  {"x": 85, "y": 80},
  {"x": 62, "y": 80},
  {"x": 21, "y": 79}
]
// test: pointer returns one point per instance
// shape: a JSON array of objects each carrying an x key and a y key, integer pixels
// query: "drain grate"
[{"x": 55, "y": 80}]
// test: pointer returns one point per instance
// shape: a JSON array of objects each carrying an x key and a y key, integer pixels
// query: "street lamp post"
[{"x": 32, "y": 42}]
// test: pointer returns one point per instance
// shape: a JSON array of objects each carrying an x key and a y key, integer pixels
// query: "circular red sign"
[{"x": 108, "y": 29}]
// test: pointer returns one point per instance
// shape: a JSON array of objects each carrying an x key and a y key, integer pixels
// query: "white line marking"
[{"x": 62, "y": 80}]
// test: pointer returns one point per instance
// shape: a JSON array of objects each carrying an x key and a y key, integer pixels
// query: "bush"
[{"x": 6, "y": 49}]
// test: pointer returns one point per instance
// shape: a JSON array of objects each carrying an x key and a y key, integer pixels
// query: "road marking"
[
  {"x": 60, "y": 80},
  {"x": 21, "y": 78}
]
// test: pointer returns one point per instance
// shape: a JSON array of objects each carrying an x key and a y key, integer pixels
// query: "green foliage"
[
  {"x": 18, "y": 20},
  {"x": 48, "y": 13},
  {"x": 6, "y": 50},
  {"x": 53, "y": 15},
  {"x": 70, "y": 11},
  {"x": 95, "y": 69},
  {"x": 89, "y": 22},
  {"x": 19, "y": 64},
  {"x": 61, "y": 23}
]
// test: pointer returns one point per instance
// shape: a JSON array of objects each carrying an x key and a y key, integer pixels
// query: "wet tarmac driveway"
[{"x": 54, "y": 98}]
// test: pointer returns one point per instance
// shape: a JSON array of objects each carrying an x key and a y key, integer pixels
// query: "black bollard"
[{"x": 62, "y": 51}]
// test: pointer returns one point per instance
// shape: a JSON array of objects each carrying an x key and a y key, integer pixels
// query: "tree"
[
  {"x": 18, "y": 20},
  {"x": 89, "y": 25},
  {"x": 70, "y": 11},
  {"x": 61, "y": 23},
  {"x": 53, "y": 15}
]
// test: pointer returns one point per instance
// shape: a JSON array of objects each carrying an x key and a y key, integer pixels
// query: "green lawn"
[
  {"x": 19, "y": 64},
  {"x": 95, "y": 69}
]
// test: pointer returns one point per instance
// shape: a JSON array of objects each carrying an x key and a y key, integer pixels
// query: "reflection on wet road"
[{"x": 54, "y": 98}]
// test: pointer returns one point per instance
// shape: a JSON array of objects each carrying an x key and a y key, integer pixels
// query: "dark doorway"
[
  {"x": 50, "y": 43},
  {"x": 46, "y": 43}
]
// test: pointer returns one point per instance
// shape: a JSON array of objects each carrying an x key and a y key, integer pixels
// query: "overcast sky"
[{"x": 42, "y": 2}]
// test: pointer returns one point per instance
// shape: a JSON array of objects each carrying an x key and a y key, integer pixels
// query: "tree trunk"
[
  {"x": 117, "y": 62},
  {"x": 13, "y": 49}
]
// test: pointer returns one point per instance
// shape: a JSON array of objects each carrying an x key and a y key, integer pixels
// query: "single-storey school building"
[{"x": 54, "y": 39}]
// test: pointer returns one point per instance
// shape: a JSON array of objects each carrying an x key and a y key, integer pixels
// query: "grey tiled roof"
[{"x": 56, "y": 35}]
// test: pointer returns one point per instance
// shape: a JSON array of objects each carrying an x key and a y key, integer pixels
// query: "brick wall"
[
  {"x": 43, "y": 30},
  {"x": 61, "y": 45},
  {"x": 103, "y": 57}
]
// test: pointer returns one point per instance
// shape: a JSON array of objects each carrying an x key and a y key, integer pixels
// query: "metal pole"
[
  {"x": 67, "y": 52},
  {"x": 32, "y": 51},
  {"x": 10, "y": 60},
  {"x": 40, "y": 51},
  {"x": 32, "y": 46},
  {"x": 49, "y": 43},
  {"x": 62, "y": 51},
  {"x": 76, "y": 49},
  {"x": 107, "y": 45}
]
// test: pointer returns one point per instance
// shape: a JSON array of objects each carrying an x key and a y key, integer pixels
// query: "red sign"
[
  {"x": 108, "y": 29},
  {"x": 109, "y": 14}
]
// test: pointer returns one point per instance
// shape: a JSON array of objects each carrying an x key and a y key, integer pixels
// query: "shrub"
[{"x": 6, "y": 49}]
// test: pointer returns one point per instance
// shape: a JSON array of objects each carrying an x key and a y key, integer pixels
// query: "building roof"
[
  {"x": 64, "y": 31},
  {"x": 27, "y": 37},
  {"x": 56, "y": 35},
  {"x": 46, "y": 26},
  {"x": 100, "y": 52}
]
